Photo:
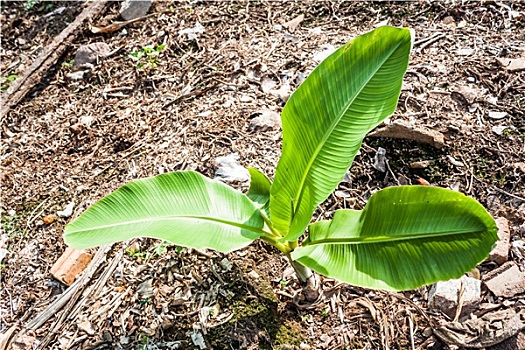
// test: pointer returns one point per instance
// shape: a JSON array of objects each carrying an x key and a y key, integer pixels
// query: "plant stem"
[{"x": 302, "y": 272}]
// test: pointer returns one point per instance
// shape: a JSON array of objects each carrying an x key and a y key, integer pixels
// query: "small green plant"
[
  {"x": 136, "y": 253},
  {"x": 10, "y": 225},
  {"x": 29, "y": 4},
  {"x": 5, "y": 82},
  {"x": 68, "y": 64},
  {"x": 160, "y": 248},
  {"x": 148, "y": 55},
  {"x": 405, "y": 236}
]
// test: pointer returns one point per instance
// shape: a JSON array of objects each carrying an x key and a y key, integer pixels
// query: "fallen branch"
[{"x": 21, "y": 86}]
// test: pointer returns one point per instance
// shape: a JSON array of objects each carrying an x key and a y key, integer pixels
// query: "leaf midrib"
[
  {"x": 174, "y": 218},
  {"x": 386, "y": 239},
  {"x": 329, "y": 132}
]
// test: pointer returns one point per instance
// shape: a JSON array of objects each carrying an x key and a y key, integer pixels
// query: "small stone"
[
  {"x": 421, "y": 164},
  {"x": 326, "y": 50},
  {"x": 132, "y": 9},
  {"x": 512, "y": 64},
  {"x": 229, "y": 170},
  {"x": 246, "y": 98},
  {"x": 76, "y": 76},
  {"x": 68, "y": 210},
  {"x": 267, "y": 84},
  {"x": 380, "y": 160},
  {"x": 192, "y": 33},
  {"x": 499, "y": 129},
  {"x": 500, "y": 253},
  {"x": 506, "y": 281},
  {"x": 282, "y": 93},
  {"x": 449, "y": 20},
  {"x": 465, "y": 52},
  {"x": 86, "y": 327},
  {"x": 497, "y": 115},
  {"x": 294, "y": 23},
  {"x": 427, "y": 332},
  {"x": 198, "y": 339},
  {"x": 3, "y": 254},
  {"x": 465, "y": 94},
  {"x": 267, "y": 120},
  {"x": 444, "y": 296},
  {"x": 254, "y": 275},
  {"x": 326, "y": 339},
  {"x": 91, "y": 53},
  {"x": 226, "y": 264},
  {"x": 455, "y": 162}
]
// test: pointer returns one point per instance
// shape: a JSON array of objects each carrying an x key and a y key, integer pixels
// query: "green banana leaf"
[
  {"x": 184, "y": 208},
  {"x": 259, "y": 191},
  {"x": 327, "y": 117},
  {"x": 405, "y": 237}
]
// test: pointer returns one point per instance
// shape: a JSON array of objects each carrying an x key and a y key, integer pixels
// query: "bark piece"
[
  {"x": 401, "y": 129},
  {"x": 500, "y": 253},
  {"x": 506, "y": 281},
  {"x": 70, "y": 265}
]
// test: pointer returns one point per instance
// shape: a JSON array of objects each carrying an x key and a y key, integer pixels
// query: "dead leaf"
[
  {"x": 423, "y": 181},
  {"x": 489, "y": 330},
  {"x": 114, "y": 26}
]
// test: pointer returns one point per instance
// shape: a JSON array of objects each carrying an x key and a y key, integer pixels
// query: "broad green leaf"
[
  {"x": 184, "y": 208},
  {"x": 327, "y": 117},
  {"x": 259, "y": 191},
  {"x": 405, "y": 237}
]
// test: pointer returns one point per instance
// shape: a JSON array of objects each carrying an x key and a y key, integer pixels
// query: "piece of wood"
[
  {"x": 72, "y": 291},
  {"x": 23, "y": 84}
]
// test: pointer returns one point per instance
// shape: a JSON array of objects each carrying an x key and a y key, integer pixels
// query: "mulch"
[{"x": 77, "y": 140}]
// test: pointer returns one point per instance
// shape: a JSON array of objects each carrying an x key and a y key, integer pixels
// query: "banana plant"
[{"x": 405, "y": 237}]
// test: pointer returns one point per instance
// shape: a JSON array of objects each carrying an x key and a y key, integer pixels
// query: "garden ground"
[{"x": 179, "y": 88}]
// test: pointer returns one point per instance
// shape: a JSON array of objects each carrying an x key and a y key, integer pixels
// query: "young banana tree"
[{"x": 405, "y": 237}]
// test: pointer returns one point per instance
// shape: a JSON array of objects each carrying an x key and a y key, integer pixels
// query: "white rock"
[
  {"x": 91, "y": 53},
  {"x": 192, "y": 33},
  {"x": 3, "y": 253},
  {"x": 132, "y": 9},
  {"x": 67, "y": 211},
  {"x": 497, "y": 115},
  {"x": 326, "y": 51},
  {"x": 499, "y": 129},
  {"x": 198, "y": 339},
  {"x": 444, "y": 296},
  {"x": 267, "y": 120},
  {"x": 254, "y": 275},
  {"x": 380, "y": 160},
  {"x": 230, "y": 170}
]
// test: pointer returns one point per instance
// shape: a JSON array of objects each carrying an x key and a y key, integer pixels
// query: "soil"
[{"x": 78, "y": 140}]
